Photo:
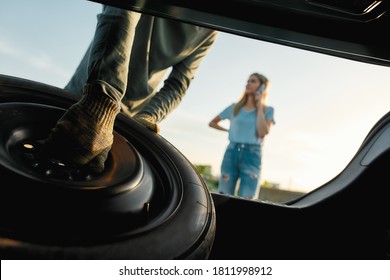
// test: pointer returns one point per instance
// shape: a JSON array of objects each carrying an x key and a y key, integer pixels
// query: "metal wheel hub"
[{"x": 55, "y": 200}]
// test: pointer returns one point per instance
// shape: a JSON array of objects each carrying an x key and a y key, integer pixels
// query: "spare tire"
[{"x": 149, "y": 203}]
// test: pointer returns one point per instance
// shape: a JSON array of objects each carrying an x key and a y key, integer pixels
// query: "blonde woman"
[{"x": 250, "y": 121}]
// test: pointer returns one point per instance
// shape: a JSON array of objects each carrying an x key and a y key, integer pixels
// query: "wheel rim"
[
  {"x": 173, "y": 219},
  {"x": 121, "y": 198}
]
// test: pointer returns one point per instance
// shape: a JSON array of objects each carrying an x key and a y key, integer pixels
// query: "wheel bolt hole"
[{"x": 28, "y": 146}]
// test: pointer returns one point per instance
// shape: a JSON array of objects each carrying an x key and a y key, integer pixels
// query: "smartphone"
[{"x": 261, "y": 89}]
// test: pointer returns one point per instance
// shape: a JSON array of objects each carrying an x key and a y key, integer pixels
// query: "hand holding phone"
[{"x": 261, "y": 89}]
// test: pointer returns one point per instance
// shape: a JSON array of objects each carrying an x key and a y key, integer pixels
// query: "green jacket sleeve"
[{"x": 178, "y": 81}]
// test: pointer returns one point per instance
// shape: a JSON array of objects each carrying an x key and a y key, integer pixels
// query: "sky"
[{"x": 324, "y": 106}]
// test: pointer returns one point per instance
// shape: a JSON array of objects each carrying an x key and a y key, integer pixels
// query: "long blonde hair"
[{"x": 241, "y": 102}]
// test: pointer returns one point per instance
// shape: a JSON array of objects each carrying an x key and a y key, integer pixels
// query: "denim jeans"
[{"x": 241, "y": 162}]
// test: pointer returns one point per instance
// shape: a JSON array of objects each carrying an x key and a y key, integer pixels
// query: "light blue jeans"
[{"x": 241, "y": 162}]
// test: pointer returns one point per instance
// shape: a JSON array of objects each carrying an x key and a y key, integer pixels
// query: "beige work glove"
[
  {"x": 147, "y": 121},
  {"x": 84, "y": 135}
]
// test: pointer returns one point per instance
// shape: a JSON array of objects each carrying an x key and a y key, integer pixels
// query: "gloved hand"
[
  {"x": 84, "y": 134},
  {"x": 148, "y": 121}
]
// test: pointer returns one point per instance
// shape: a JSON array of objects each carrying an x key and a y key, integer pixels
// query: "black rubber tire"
[{"x": 181, "y": 224}]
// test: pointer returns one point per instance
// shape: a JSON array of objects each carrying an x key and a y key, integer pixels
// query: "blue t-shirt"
[{"x": 243, "y": 126}]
